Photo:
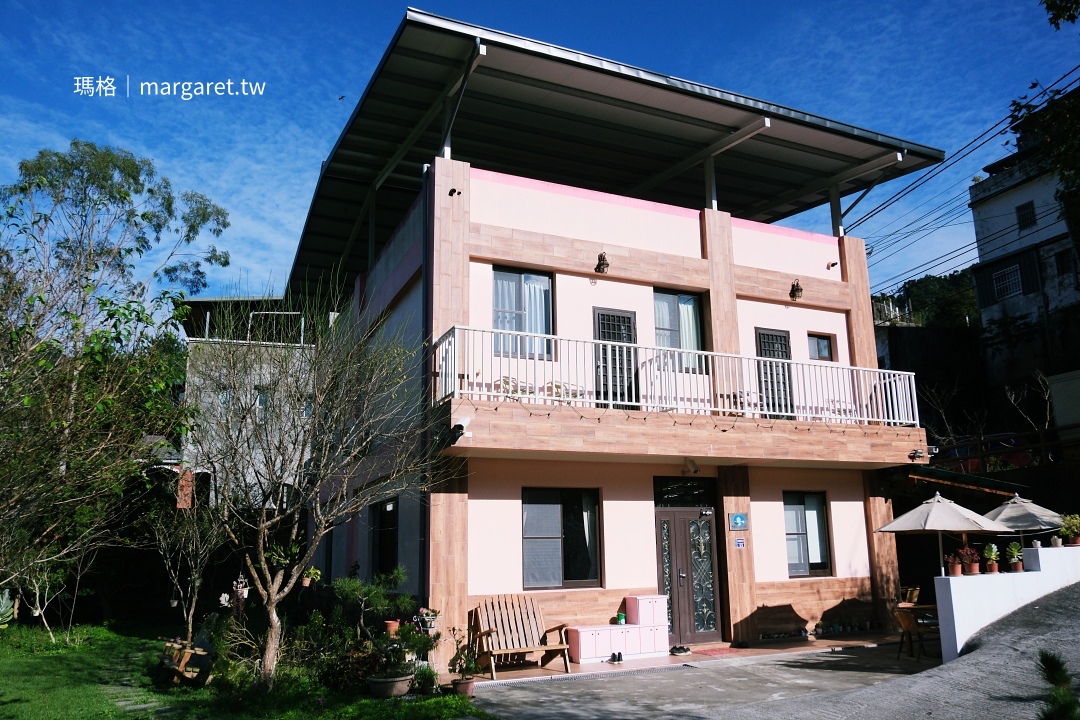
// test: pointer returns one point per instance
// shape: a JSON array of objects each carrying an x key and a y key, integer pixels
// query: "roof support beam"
[
  {"x": 457, "y": 82},
  {"x": 882, "y": 161},
  {"x": 724, "y": 143}
]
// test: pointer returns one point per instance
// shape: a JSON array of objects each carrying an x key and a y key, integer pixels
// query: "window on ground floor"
[
  {"x": 560, "y": 537},
  {"x": 384, "y": 537},
  {"x": 807, "y": 534}
]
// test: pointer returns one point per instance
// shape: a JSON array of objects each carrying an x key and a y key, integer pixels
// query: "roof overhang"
[{"x": 532, "y": 109}]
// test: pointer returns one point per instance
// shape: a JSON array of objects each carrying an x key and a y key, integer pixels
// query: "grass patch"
[{"x": 42, "y": 681}]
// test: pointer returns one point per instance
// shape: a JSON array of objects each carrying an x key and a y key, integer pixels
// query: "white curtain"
[
  {"x": 689, "y": 324},
  {"x": 537, "y": 310},
  {"x": 588, "y": 517}
]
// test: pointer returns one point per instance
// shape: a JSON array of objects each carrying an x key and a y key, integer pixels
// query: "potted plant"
[
  {"x": 427, "y": 618},
  {"x": 312, "y": 574},
  {"x": 426, "y": 680},
  {"x": 1070, "y": 529},
  {"x": 1014, "y": 553},
  {"x": 969, "y": 558},
  {"x": 952, "y": 562},
  {"x": 990, "y": 552},
  {"x": 464, "y": 663},
  {"x": 1055, "y": 541},
  {"x": 397, "y": 660}
]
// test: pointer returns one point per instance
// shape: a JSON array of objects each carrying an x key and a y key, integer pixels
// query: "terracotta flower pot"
[
  {"x": 1017, "y": 566},
  {"x": 991, "y": 568},
  {"x": 306, "y": 582},
  {"x": 1072, "y": 541},
  {"x": 389, "y": 687},
  {"x": 955, "y": 570},
  {"x": 971, "y": 568},
  {"x": 392, "y": 626},
  {"x": 463, "y": 687}
]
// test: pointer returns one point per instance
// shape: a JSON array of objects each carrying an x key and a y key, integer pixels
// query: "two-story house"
[
  {"x": 1026, "y": 280},
  {"x": 650, "y": 388}
]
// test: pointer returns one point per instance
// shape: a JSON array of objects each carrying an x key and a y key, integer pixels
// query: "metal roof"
[{"x": 537, "y": 110}]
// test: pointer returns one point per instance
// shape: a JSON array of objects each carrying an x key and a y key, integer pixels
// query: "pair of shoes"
[
  {"x": 680, "y": 650},
  {"x": 616, "y": 659}
]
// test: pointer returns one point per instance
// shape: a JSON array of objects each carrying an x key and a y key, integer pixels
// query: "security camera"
[{"x": 691, "y": 467}]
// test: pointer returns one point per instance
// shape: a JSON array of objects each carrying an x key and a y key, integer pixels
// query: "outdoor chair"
[{"x": 911, "y": 630}]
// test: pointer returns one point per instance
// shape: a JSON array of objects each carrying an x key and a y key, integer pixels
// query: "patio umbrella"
[
  {"x": 940, "y": 515},
  {"x": 1022, "y": 515}
]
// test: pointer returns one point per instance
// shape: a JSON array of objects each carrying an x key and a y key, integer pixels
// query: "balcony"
[{"x": 499, "y": 366}]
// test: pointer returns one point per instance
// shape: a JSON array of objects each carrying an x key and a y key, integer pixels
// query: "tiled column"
[
  {"x": 722, "y": 322},
  {"x": 734, "y": 488},
  {"x": 447, "y": 284},
  {"x": 860, "y": 319},
  {"x": 881, "y": 547}
]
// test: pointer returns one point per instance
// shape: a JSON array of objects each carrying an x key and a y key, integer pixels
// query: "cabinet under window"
[
  {"x": 807, "y": 534},
  {"x": 521, "y": 302},
  {"x": 560, "y": 538}
]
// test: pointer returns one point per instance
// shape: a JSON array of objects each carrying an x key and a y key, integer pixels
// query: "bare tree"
[
  {"x": 301, "y": 430},
  {"x": 187, "y": 533}
]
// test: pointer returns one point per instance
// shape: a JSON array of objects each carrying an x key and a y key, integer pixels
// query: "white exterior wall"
[{"x": 995, "y": 218}]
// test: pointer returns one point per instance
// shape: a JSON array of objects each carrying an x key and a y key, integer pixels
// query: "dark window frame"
[
  {"x": 511, "y": 350},
  {"x": 385, "y": 524},
  {"x": 1025, "y": 215},
  {"x": 827, "y": 337},
  {"x": 565, "y": 584},
  {"x": 692, "y": 366},
  {"x": 818, "y": 569}
]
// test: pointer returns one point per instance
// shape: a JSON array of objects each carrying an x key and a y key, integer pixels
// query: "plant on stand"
[
  {"x": 969, "y": 558},
  {"x": 1014, "y": 553},
  {"x": 464, "y": 663},
  {"x": 990, "y": 552},
  {"x": 311, "y": 575},
  {"x": 427, "y": 618},
  {"x": 1070, "y": 529}
]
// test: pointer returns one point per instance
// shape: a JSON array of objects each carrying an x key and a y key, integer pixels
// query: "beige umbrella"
[
  {"x": 1022, "y": 515},
  {"x": 940, "y": 515}
]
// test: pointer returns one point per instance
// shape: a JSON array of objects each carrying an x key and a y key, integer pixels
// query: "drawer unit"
[
  {"x": 593, "y": 643},
  {"x": 646, "y": 609}
]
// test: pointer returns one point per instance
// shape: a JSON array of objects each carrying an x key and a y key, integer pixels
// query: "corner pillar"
[{"x": 734, "y": 487}]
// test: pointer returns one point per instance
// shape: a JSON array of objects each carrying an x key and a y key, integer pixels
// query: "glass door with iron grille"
[
  {"x": 774, "y": 378},
  {"x": 616, "y": 365}
]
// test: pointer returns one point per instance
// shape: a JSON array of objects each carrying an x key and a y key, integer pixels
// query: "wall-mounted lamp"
[
  {"x": 454, "y": 191},
  {"x": 916, "y": 454},
  {"x": 830, "y": 266},
  {"x": 601, "y": 263},
  {"x": 796, "y": 291}
]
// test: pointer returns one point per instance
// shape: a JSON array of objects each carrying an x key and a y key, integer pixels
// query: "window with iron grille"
[
  {"x": 1007, "y": 282},
  {"x": 1025, "y": 215}
]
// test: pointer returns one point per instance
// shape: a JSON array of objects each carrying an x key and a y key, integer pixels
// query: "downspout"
[{"x": 427, "y": 189}]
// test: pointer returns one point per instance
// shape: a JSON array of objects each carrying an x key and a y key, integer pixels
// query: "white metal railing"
[{"x": 546, "y": 369}]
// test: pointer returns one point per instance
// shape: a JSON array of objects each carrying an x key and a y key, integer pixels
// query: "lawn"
[{"x": 111, "y": 674}]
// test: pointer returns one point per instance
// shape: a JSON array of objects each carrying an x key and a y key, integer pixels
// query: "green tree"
[
  {"x": 941, "y": 300},
  {"x": 88, "y": 349}
]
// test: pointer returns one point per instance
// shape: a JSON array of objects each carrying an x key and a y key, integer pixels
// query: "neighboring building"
[
  {"x": 652, "y": 389},
  {"x": 1026, "y": 279}
]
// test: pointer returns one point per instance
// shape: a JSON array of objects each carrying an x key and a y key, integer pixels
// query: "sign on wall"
[{"x": 738, "y": 521}]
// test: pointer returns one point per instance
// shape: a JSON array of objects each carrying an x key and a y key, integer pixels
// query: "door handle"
[{"x": 682, "y": 576}]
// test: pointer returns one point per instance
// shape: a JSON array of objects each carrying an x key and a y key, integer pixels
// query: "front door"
[
  {"x": 616, "y": 365},
  {"x": 687, "y": 573}
]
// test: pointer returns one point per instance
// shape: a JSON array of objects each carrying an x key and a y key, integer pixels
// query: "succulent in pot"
[
  {"x": 969, "y": 558},
  {"x": 990, "y": 552},
  {"x": 1014, "y": 553},
  {"x": 952, "y": 562}
]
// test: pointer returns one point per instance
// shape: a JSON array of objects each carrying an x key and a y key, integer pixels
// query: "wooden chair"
[
  {"x": 190, "y": 663},
  {"x": 911, "y": 629},
  {"x": 909, "y": 595},
  {"x": 513, "y": 624}
]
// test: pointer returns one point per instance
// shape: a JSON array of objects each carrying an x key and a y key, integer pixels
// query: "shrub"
[{"x": 1070, "y": 526}]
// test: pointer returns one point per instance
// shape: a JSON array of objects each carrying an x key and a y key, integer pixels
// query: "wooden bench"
[
  {"x": 513, "y": 624},
  {"x": 189, "y": 663}
]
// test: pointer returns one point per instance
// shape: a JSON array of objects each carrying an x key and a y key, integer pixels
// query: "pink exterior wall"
[
  {"x": 628, "y": 546},
  {"x": 786, "y": 250},
  {"x": 516, "y": 202},
  {"x": 799, "y": 321},
  {"x": 846, "y": 515},
  {"x": 574, "y": 299}
]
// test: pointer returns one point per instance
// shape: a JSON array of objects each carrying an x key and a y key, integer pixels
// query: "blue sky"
[{"x": 937, "y": 73}]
